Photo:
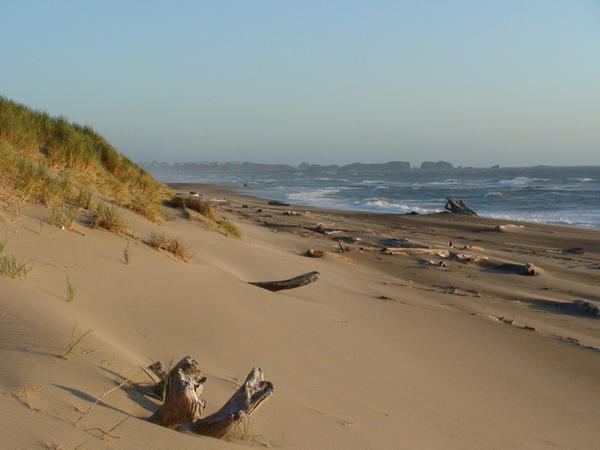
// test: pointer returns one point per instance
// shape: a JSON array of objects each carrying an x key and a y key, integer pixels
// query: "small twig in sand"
[
  {"x": 106, "y": 434},
  {"x": 98, "y": 400},
  {"x": 24, "y": 393}
]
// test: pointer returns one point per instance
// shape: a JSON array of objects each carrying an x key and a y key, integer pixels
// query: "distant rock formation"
[
  {"x": 392, "y": 165},
  {"x": 437, "y": 165}
]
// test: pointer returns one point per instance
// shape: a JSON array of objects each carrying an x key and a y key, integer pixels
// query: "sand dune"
[{"x": 388, "y": 353}]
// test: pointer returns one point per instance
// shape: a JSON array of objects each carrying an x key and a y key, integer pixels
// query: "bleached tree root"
[{"x": 183, "y": 406}]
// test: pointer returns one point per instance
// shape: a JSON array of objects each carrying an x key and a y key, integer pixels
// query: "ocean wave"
[
  {"x": 311, "y": 196},
  {"x": 494, "y": 194},
  {"x": 520, "y": 181},
  {"x": 381, "y": 204}
]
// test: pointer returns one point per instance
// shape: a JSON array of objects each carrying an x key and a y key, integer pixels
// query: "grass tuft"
[
  {"x": 13, "y": 267},
  {"x": 84, "y": 199},
  {"x": 230, "y": 229},
  {"x": 74, "y": 342},
  {"x": 171, "y": 245},
  {"x": 70, "y": 291},
  {"x": 62, "y": 217},
  {"x": 197, "y": 205},
  {"x": 109, "y": 218},
  {"x": 127, "y": 255}
]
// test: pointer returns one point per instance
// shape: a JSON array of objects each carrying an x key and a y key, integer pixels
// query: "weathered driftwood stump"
[
  {"x": 301, "y": 280},
  {"x": 242, "y": 404},
  {"x": 183, "y": 386},
  {"x": 459, "y": 207},
  {"x": 183, "y": 406}
]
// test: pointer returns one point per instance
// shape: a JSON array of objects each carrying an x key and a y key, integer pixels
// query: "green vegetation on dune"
[{"x": 50, "y": 160}]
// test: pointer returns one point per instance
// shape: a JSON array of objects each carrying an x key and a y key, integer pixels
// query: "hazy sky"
[{"x": 513, "y": 82}]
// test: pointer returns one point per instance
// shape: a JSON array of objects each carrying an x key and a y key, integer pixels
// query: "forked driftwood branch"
[
  {"x": 183, "y": 406},
  {"x": 301, "y": 280},
  {"x": 459, "y": 207}
]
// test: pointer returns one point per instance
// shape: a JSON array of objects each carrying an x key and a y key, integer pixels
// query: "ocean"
[{"x": 556, "y": 195}]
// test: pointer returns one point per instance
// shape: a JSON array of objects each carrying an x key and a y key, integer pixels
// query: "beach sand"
[{"x": 382, "y": 352}]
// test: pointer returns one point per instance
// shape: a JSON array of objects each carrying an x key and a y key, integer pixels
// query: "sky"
[{"x": 477, "y": 83}]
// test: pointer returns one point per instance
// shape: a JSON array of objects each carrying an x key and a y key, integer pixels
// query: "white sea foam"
[
  {"x": 520, "y": 181},
  {"x": 381, "y": 204}
]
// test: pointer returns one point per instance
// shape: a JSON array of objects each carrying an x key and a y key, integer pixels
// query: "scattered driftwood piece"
[
  {"x": 521, "y": 269},
  {"x": 574, "y": 251},
  {"x": 183, "y": 407},
  {"x": 278, "y": 203},
  {"x": 314, "y": 253},
  {"x": 301, "y": 280},
  {"x": 464, "y": 257},
  {"x": 402, "y": 243},
  {"x": 368, "y": 249},
  {"x": 242, "y": 404},
  {"x": 459, "y": 207},
  {"x": 350, "y": 239},
  {"x": 292, "y": 213},
  {"x": 472, "y": 247},
  {"x": 508, "y": 227},
  {"x": 431, "y": 262},
  {"x": 341, "y": 247},
  {"x": 342, "y": 257},
  {"x": 324, "y": 229},
  {"x": 410, "y": 251},
  {"x": 586, "y": 307},
  {"x": 184, "y": 386}
]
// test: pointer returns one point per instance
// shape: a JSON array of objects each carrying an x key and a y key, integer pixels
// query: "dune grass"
[
  {"x": 109, "y": 218},
  {"x": 70, "y": 291},
  {"x": 171, "y": 245},
  {"x": 62, "y": 216},
  {"x": 197, "y": 205},
  {"x": 49, "y": 160},
  {"x": 13, "y": 267},
  {"x": 230, "y": 229},
  {"x": 127, "y": 255},
  {"x": 74, "y": 342}
]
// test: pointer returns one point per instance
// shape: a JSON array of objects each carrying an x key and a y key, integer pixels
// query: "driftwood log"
[
  {"x": 414, "y": 251},
  {"x": 459, "y": 207},
  {"x": 183, "y": 406},
  {"x": 301, "y": 280}
]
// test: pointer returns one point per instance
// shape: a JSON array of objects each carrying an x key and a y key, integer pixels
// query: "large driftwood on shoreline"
[
  {"x": 459, "y": 207},
  {"x": 301, "y": 280},
  {"x": 183, "y": 407}
]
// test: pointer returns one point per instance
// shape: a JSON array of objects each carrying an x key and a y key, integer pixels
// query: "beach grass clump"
[
  {"x": 172, "y": 245},
  {"x": 75, "y": 341},
  {"x": 230, "y": 229},
  {"x": 62, "y": 216},
  {"x": 84, "y": 199},
  {"x": 13, "y": 267},
  {"x": 109, "y": 218},
  {"x": 197, "y": 205},
  {"x": 49, "y": 160}
]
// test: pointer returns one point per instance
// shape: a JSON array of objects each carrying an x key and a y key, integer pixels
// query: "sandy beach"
[{"x": 448, "y": 348}]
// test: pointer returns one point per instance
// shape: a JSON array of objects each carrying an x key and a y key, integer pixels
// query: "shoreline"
[{"x": 236, "y": 191}]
